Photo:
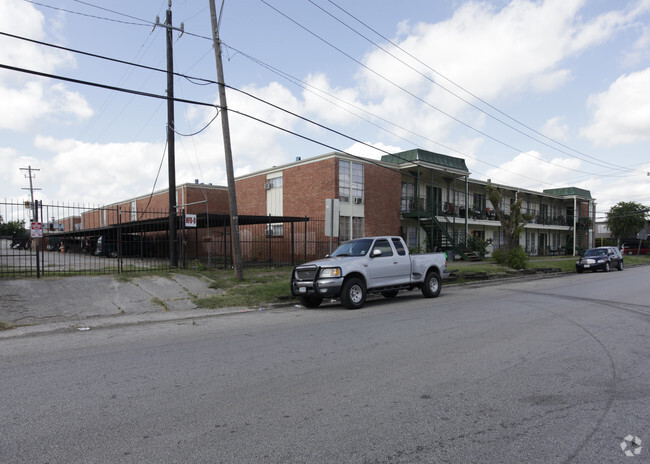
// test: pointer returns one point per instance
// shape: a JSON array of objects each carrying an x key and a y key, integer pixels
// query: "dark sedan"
[{"x": 604, "y": 258}]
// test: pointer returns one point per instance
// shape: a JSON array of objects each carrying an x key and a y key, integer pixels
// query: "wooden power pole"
[{"x": 234, "y": 220}]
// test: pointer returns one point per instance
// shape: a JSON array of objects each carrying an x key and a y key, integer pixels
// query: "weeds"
[
  {"x": 6, "y": 325},
  {"x": 259, "y": 287}
]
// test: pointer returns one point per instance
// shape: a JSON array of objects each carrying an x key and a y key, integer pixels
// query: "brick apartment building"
[
  {"x": 427, "y": 198},
  {"x": 192, "y": 198}
]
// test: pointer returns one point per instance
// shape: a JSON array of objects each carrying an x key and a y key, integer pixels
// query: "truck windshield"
[{"x": 353, "y": 248}]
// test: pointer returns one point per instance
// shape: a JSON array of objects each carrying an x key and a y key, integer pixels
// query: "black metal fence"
[{"x": 108, "y": 240}]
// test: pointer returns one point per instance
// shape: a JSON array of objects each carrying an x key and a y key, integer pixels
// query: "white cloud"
[
  {"x": 10, "y": 174},
  {"x": 24, "y": 20},
  {"x": 379, "y": 150},
  {"x": 621, "y": 114},
  {"x": 532, "y": 171},
  {"x": 32, "y": 98},
  {"x": 494, "y": 52},
  {"x": 93, "y": 173},
  {"x": 330, "y": 105},
  {"x": 556, "y": 128}
]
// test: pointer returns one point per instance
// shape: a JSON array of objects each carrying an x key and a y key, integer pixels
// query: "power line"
[
  {"x": 463, "y": 89},
  {"x": 193, "y": 102},
  {"x": 103, "y": 86},
  {"x": 420, "y": 99},
  {"x": 208, "y": 81},
  {"x": 142, "y": 23},
  {"x": 312, "y": 89},
  {"x": 450, "y": 148}
]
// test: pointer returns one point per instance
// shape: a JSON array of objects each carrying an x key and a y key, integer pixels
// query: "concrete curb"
[{"x": 177, "y": 309}]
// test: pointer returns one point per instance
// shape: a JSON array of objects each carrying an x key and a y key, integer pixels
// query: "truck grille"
[{"x": 306, "y": 272}]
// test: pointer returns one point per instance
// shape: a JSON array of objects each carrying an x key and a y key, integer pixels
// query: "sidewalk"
[{"x": 78, "y": 302}]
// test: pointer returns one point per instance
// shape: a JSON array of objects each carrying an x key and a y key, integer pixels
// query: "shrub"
[
  {"x": 516, "y": 258},
  {"x": 478, "y": 245},
  {"x": 499, "y": 256}
]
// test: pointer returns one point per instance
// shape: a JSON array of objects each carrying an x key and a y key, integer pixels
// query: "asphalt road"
[{"x": 538, "y": 371}]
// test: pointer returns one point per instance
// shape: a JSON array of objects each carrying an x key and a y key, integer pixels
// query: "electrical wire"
[
  {"x": 199, "y": 131},
  {"x": 457, "y": 151},
  {"x": 420, "y": 99},
  {"x": 153, "y": 189},
  {"x": 196, "y": 80},
  {"x": 134, "y": 92},
  {"x": 614, "y": 166},
  {"x": 143, "y": 23},
  {"x": 140, "y": 93}
]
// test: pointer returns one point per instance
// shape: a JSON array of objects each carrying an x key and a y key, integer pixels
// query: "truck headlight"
[{"x": 331, "y": 272}]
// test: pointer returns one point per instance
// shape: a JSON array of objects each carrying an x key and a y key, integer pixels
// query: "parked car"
[
  {"x": 368, "y": 265},
  {"x": 634, "y": 249},
  {"x": 131, "y": 245},
  {"x": 605, "y": 258}
]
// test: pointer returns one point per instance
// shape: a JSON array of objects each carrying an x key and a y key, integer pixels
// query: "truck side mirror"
[{"x": 375, "y": 252}]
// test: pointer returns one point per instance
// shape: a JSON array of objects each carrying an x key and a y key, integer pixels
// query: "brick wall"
[
  {"x": 251, "y": 196},
  {"x": 194, "y": 196},
  {"x": 307, "y": 186},
  {"x": 382, "y": 199}
]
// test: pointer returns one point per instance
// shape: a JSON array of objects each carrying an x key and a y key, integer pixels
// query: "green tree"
[
  {"x": 626, "y": 218},
  {"x": 512, "y": 224},
  {"x": 7, "y": 229}
]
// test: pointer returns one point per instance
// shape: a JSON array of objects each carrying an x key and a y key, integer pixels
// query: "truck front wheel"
[
  {"x": 431, "y": 285},
  {"x": 353, "y": 293}
]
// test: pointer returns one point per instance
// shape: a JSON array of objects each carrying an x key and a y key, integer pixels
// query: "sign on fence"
[
  {"x": 190, "y": 220},
  {"x": 37, "y": 230}
]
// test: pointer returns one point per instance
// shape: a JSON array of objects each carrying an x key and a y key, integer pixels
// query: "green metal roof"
[
  {"x": 412, "y": 156},
  {"x": 569, "y": 192}
]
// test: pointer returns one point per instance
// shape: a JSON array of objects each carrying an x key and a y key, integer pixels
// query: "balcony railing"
[{"x": 422, "y": 206}]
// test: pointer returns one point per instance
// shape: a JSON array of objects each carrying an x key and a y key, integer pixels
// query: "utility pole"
[
  {"x": 171, "y": 158},
  {"x": 234, "y": 220},
  {"x": 34, "y": 218},
  {"x": 31, "y": 189}
]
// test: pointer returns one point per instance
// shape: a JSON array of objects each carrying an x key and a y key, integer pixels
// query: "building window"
[
  {"x": 274, "y": 230},
  {"x": 408, "y": 197},
  {"x": 344, "y": 228},
  {"x": 350, "y": 180},
  {"x": 357, "y": 227},
  {"x": 350, "y": 228},
  {"x": 134, "y": 211},
  {"x": 412, "y": 236},
  {"x": 274, "y": 182}
]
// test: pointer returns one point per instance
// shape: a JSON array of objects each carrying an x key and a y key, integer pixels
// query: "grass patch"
[
  {"x": 6, "y": 325},
  {"x": 636, "y": 259},
  {"x": 161, "y": 303},
  {"x": 259, "y": 287}
]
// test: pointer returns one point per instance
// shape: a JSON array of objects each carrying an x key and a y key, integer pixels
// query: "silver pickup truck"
[{"x": 368, "y": 265}]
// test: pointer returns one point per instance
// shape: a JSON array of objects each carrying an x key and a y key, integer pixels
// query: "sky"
[{"x": 534, "y": 94}]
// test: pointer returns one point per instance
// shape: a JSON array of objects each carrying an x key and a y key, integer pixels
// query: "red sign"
[
  {"x": 37, "y": 229},
  {"x": 190, "y": 220}
]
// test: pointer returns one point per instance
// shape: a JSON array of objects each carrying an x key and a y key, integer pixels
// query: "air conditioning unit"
[
  {"x": 358, "y": 200},
  {"x": 267, "y": 185}
]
